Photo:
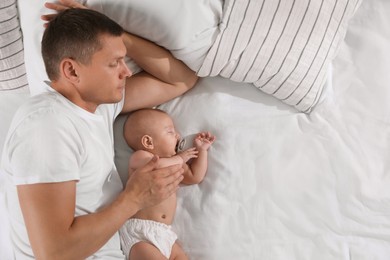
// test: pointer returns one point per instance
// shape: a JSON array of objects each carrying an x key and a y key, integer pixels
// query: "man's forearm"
[
  {"x": 164, "y": 77},
  {"x": 158, "y": 61},
  {"x": 90, "y": 232},
  {"x": 48, "y": 210}
]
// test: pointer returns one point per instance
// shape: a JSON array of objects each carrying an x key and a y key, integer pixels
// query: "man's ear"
[
  {"x": 68, "y": 69},
  {"x": 147, "y": 142}
]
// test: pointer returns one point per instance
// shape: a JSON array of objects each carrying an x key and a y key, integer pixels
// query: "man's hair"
[{"x": 74, "y": 33}]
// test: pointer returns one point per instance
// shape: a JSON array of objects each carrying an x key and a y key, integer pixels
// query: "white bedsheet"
[
  {"x": 9, "y": 102},
  {"x": 284, "y": 185}
]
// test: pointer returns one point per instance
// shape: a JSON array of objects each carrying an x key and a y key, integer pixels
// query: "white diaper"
[{"x": 156, "y": 233}]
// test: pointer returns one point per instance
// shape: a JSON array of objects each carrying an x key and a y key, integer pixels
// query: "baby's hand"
[
  {"x": 204, "y": 140},
  {"x": 188, "y": 154}
]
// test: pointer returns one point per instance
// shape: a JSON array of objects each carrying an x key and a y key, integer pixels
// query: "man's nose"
[{"x": 126, "y": 71}]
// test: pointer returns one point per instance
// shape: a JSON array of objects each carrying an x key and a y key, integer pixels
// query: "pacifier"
[{"x": 180, "y": 145}]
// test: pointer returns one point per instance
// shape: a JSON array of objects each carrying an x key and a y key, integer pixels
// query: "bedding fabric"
[
  {"x": 186, "y": 28},
  {"x": 283, "y": 47},
  {"x": 9, "y": 102},
  {"x": 284, "y": 185},
  {"x": 280, "y": 184},
  {"x": 12, "y": 69}
]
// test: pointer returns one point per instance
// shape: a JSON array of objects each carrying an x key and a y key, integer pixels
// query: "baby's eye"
[{"x": 172, "y": 132}]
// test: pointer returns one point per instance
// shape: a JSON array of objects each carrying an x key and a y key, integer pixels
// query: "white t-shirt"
[{"x": 53, "y": 140}]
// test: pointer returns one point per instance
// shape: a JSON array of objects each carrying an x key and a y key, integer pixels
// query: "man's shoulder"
[
  {"x": 40, "y": 112},
  {"x": 38, "y": 105}
]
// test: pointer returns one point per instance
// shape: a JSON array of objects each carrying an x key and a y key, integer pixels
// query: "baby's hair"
[{"x": 140, "y": 119}]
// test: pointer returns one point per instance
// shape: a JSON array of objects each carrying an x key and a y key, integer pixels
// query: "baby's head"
[{"x": 151, "y": 130}]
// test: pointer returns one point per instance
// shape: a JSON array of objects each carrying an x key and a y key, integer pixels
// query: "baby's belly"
[{"x": 163, "y": 212}]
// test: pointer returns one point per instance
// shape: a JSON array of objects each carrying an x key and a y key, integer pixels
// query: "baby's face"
[{"x": 165, "y": 137}]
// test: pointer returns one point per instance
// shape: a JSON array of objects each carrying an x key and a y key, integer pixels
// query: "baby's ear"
[{"x": 147, "y": 142}]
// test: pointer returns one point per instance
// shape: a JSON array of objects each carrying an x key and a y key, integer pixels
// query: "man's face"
[{"x": 103, "y": 79}]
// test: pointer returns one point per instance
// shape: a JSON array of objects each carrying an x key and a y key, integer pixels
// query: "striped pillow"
[
  {"x": 283, "y": 47},
  {"x": 12, "y": 70}
]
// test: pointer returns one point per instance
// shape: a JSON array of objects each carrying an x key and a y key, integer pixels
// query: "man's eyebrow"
[{"x": 116, "y": 57}]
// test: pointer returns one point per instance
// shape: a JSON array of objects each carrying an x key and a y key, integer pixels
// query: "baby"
[{"x": 151, "y": 132}]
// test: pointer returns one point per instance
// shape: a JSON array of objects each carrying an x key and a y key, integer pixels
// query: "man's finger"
[
  {"x": 174, "y": 186},
  {"x": 72, "y": 4},
  {"x": 55, "y": 7},
  {"x": 169, "y": 171},
  {"x": 48, "y": 17}
]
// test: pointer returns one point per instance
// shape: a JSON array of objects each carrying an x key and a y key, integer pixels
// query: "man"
[{"x": 64, "y": 195}]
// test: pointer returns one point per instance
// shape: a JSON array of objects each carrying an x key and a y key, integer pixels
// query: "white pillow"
[
  {"x": 187, "y": 28},
  {"x": 283, "y": 47},
  {"x": 32, "y": 27}
]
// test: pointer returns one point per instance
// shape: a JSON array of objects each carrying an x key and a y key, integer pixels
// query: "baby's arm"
[
  {"x": 140, "y": 158},
  {"x": 180, "y": 158},
  {"x": 198, "y": 167}
]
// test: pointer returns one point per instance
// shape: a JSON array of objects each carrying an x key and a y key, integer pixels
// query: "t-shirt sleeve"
[{"x": 45, "y": 149}]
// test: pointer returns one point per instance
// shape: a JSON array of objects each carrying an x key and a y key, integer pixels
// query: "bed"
[{"x": 300, "y": 107}]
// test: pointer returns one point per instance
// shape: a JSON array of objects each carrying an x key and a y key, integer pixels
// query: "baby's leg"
[
  {"x": 178, "y": 253},
  {"x": 145, "y": 251}
]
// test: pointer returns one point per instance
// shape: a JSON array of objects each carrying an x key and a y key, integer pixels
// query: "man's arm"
[
  {"x": 164, "y": 77},
  {"x": 55, "y": 233}
]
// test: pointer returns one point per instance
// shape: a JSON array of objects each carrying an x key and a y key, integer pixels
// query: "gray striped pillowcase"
[
  {"x": 12, "y": 69},
  {"x": 283, "y": 47}
]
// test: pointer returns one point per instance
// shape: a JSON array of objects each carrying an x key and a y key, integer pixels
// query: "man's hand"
[
  {"x": 148, "y": 186},
  {"x": 59, "y": 7}
]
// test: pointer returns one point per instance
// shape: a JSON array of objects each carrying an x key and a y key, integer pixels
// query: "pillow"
[
  {"x": 32, "y": 27},
  {"x": 12, "y": 70},
  {"x": 283, "y": 47},
  {"x": 186, "y": 28}
]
